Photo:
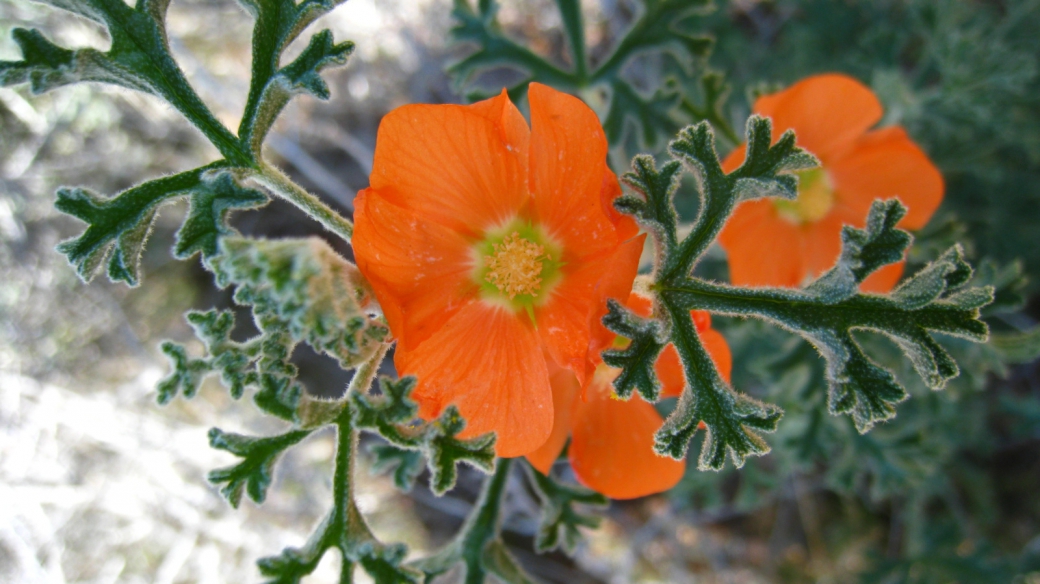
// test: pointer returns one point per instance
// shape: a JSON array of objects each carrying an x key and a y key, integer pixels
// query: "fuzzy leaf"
[
  {"x": 863, "y": 251},
  {"x": 559, "y": 522},
  {"x": 637, "y": 360},
  {"x": 444, "y": 451},
  {"x": 733, "y": 420},
  {"x": 253, "y": 474},
  {"x": 139, "y": 59},
  {"x": 118, "y": 228},
  {"x": 391, "y": 414},
  {"x": 765, "y": 172},
  {"x": 927, "y": 302},
  {"x": 654, "y": 115},
  {"x": 405, "y": 464},
  {"x": 654, "y": 208},
  {"x": 261, "y": 363},
  {"x": 306, "y": 287},
  {"x": 383, "y": 563}
]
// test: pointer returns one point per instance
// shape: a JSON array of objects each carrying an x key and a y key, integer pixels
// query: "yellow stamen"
[
  {"x": 515, "y": 267},
  {"x": 815, "y": 198}
]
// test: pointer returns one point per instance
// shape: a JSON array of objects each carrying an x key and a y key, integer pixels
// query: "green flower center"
[
  {"x": 517, "y": 266},
  {"x": 815, "y": 198}
]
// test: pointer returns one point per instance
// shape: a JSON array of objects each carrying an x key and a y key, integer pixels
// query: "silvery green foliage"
[
  {"x": 392, "y": 413},
  {"x": 307, "y": 287},
  {"x": 300, "y": 290},
  {"x": 936, "y": 299},
  {"x": 140, "y": 59},
  {"x": 560, "y": 520},
  {"x": 478, "y": 547},
  {"x": 664, "y": 27}
]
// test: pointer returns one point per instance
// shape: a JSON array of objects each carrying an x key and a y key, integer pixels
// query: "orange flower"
[
  {"x": 612, "y": 441},
  {"x": 490, "y": 247},
  {"x": 774, "y": 242}
]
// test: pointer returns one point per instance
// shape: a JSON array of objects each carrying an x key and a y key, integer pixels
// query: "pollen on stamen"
[{"x": 515, "y": 267}]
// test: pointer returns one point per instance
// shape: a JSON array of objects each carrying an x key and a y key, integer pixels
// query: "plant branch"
[{"x": 281, "y": 185}]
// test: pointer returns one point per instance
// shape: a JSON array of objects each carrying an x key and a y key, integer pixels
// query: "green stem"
[
  {"x": 345, "y": 514},
  {"x": 484, "y": 522},
  {"x": 284, "y": 187},
  {"x": 364, "y": 374}
]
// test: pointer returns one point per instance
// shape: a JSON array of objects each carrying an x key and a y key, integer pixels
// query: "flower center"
[
  {"x": 515, "y": 267},
  {"x": 815, "y": 198}
]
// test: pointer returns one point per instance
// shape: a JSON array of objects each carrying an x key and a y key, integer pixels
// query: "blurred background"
[{"x": 98, "y": 484}]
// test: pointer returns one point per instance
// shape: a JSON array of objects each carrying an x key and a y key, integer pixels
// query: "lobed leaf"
[
  {"x": 405, "y": 464},
  {"x": 390, "y": 416},
  {"x": 560, "y": 520},
  {"x": 637, "y": 360},
  {"x": 305, "y": 287},
  {"x": 254, "y": 474}
]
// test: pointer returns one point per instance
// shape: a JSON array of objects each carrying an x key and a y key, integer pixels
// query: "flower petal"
[
  {"x": 565, "y": 389},
  {"x": 461, "y": 166},
  {"x": 488, "y": 362},
  {"x": 762, "y": 249},
  {"x": 419, "y": 270},
  {"x": 827, "y": 112},
  {"x": 882, "y": 165},
  {"x": 821, "y": 245},
  {"x": 570, "y": 324},
  {"x": 612, "y": 446},
  {"x": 568, "y": 165}
]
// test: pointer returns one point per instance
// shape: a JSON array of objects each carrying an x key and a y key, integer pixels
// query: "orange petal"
[
  {"x": 565, "y": 389},
  {"x": 617, "y": 272},
  {"x": 488, "y": 362},
  {"x": 821, "y": 245},
  {"x": 762, "y": 249},
  {"x": 419, "y": 269},
  {"x": 568, "y": 165},
  {"x": 882, "y": 165},
  {"x": 883, "y": 280},
  {"x": 827, "y": 112},
  {"x": 612, "y": 446},
  {"x": 461, "y": 166}
]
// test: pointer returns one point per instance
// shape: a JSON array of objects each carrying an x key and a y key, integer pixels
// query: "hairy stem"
[
  {"x": 281, "y": 185},
  {"x": 485, "y": 521}
]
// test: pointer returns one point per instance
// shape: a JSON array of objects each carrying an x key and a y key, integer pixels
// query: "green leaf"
[
  {"x": 118, "y": 228},
  {"x": 405, "y": 464},
  {"x": 444, "y": 451},
  {"x": 931, "y": 301},
  {"x": 383, "y": 563},
  {"x": 664, "y": 26},
  {"x": 715, "y": 90},
  {"x": 863, "y": 251},
  {"x": 637, "y": 360},
  {"x": 560, "y": 520},
  {"x": 766, "y": 171},
  {"x": 139, "y": 59},
  {"x": 654, "y": 207},
  {"x": 391, "y": 414},
  {"x": 654, "y": 115},
  {"x": 209, "y": 206},
  {"x": 304, "y": 286},
  {"x": 733, "y": 421},
  {"x": 254, "y": 474}
]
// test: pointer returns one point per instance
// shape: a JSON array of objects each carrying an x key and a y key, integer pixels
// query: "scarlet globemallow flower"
[
  {"x": 776, "y": 242},
  {"x": 612, "y": 441},
  {"x": 490, "y": 247}
]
